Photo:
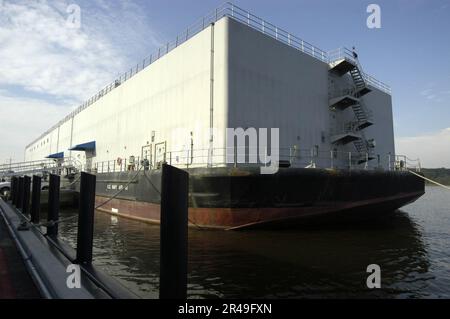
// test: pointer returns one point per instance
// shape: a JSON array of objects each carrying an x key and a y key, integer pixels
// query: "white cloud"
[
  {"x": 433, "y": 149},
  {"x": 40, "y": 54},
  {"x": 434, "y": 94},
  {"x": 54, "y": 67},
  {"x": 22, "y": 120}
]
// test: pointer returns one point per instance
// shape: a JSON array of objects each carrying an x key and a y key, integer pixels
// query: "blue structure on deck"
[
  {"x": 85, "y": 147},
  {"x": 56, "y": 155}
]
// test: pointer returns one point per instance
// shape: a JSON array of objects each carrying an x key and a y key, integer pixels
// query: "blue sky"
[{"x": 49, "y": 70}]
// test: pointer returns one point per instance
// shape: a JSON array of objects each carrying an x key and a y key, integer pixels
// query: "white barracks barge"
[{"x": 234, "y": 70}]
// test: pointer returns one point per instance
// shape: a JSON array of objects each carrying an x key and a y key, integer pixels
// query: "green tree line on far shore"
[{"x": 440, "y": 175}]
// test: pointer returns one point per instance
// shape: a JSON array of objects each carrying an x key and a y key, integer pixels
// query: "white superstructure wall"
[
  {"x": 164, "y": 103},
  {"x": 275, "y": 85},
  {"x": 228, "y": 75}
]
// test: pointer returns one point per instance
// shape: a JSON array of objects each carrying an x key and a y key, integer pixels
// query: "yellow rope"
[{"x": 430, "y": 180}]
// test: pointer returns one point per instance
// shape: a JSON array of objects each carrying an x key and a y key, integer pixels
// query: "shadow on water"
[{"x": 316, "y": 261}]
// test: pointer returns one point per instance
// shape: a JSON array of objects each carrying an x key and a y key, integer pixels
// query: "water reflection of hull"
[
  {"x": 327, "y": 262},
  {"x": 231, "y": 198}
]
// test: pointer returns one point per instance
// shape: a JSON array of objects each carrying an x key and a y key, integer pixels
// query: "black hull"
[{"x": 235, "y": 198}]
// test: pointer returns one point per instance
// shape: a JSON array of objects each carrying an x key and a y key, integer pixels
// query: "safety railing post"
[
  {"x": 53, "y": 204},
  {"x": 85, "y": 235},
  {"x": 20, "y": 194},
  {"x": 26, "y": 195},
  {"x": 366, "y": 165},
  {"x": 331, "y": 159},
  {"x": 265, "y": 156},
  {"x": 187, "y": 159},
  {"x": 349, "y": 160},
  {"x": 36, "y": 199},
  {"x": 174, "y": 233}
]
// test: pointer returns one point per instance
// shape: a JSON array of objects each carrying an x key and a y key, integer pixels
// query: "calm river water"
[{"x": 412, "y": 247}]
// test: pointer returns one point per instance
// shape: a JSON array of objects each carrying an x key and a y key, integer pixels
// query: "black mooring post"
[
  {"x": 174, "y": 233},
  {"x": 26, "y": 195},
  {"x": 13, "y": 189},
  {"x": 36, "y": 199},
  {"x": 16, "y": 197},
  {"x": 20, "y": 194},
  {"x": 85, "y": 235},
  {"x": 53, "y": 204},
  {"x": 16, "y": 191}
]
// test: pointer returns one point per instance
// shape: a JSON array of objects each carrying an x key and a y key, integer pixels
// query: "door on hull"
[
  {"x": 146, "y": 155},
  {"x": 160, "y": 154}
]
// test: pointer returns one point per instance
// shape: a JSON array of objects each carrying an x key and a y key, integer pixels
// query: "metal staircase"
[
  {"x": 358, "y": 80},
  {"x": 364, "y": 150},
  {"x": 343, "y": 62},
  {"x": 363, "y": 116}
]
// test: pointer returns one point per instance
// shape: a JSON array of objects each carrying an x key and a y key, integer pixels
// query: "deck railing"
[
  {"x": 236, "y": 13},
  {"x": 291, "y": 157},
  {"x": 40, "y": 166}
]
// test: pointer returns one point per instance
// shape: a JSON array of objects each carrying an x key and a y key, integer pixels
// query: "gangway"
[{"x": 47, "y": 166}]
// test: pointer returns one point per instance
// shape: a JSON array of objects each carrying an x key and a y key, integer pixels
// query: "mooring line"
[
  {"x": 76, "y": 180},
  {"x": 151, "y": 183},
  {"x": 120, "y": 191},
  {"x": 54, "y": 222},
  {"x": 159, "y": 193},
  {"x": 430, "y": 180}
]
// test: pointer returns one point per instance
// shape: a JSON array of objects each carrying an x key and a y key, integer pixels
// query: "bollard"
[
  {"x": 13, "y": 189},
  {"x": 85, "y": 235},
  {"x": 53, "y": 204},
  {"x": 36, "y": 199},
  {"x": 26, "y": 195},
  {"x": 20, "y": 194},
  {"x": 16, "y": 191},
  {"x": 174, "y": 235}
]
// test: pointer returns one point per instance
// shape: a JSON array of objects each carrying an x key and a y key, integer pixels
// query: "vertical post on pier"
[
  {"x": 13, "y": 189},
  {"x": 36, "y": 199},
  {"x": 53, "y": 204},
  {"x": 20, "y": 194},
  {"x": 85, "y": 235},
  {"x": 16, "y": 191},
  {"x": 26, "y": 195},
  {"x": 174, "y": 235}
]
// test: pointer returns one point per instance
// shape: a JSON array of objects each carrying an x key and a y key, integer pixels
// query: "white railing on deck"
[
  {"x": 293, "y": 156},
  {"x": 226, "y": 10}
]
